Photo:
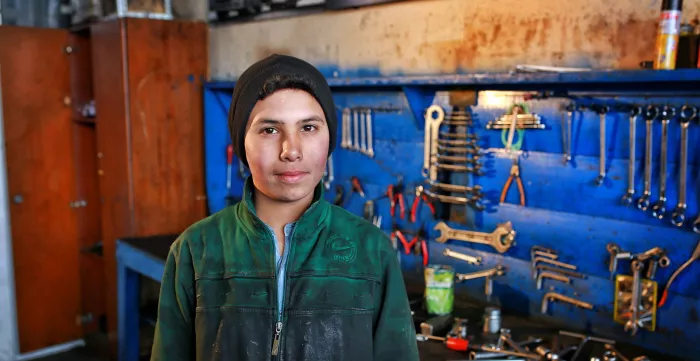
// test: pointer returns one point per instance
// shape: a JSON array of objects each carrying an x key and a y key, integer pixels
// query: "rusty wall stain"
[{"x": 446, "y": 36}]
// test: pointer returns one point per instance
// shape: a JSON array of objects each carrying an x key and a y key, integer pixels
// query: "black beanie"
[{"x": 289, "y": 73}]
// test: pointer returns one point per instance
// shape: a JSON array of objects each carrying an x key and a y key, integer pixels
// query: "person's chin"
[{"x": 296, "y": 191}]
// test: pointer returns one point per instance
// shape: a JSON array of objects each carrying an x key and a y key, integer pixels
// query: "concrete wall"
[{"x": 447, "y": 36}]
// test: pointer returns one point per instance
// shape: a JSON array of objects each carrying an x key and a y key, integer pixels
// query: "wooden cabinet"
[{"x": 148, "y": 79}]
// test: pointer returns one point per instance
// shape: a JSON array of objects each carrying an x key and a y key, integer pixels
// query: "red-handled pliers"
[
  {"x": 416, "y": 202},
  {"x": 407, "y": 246},
  {"x": 396, "y": 196}
]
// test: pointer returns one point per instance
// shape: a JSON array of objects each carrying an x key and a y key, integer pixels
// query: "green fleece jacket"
[{"x": 336, "y": 293}]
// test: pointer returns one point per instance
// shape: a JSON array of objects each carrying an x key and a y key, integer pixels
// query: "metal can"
[{"x": 668, "y": 34}]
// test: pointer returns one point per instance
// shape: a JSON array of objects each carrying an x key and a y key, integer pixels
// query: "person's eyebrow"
[{"x": 277, "y": 122}]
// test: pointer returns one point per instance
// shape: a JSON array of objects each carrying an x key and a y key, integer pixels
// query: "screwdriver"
[
  {"x": 453, "y": 343},
  {"x": 229, "y": 169}
]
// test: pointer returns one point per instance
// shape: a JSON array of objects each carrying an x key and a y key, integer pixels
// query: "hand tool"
[
  {"x": 438, "y": 325},
  {"x": 546, "y": 353},
  {"x": 627, "y": 198},
  {"x": 529, "y": 356},
  {"x": 424, "y": 251},
  {"x": 542, "y": 251},
  {"x": 601, "y": 110},
  {"x": 476, "y": 169},
  {"x": 554, "y": 276},
  {"x": 514, "y": 174},
  {"x": 416, "y": 203},
  {"x": 694, "y": 257},
  {"x": 615, "y": 352},
  {"x": 502, "y": 238},
  {"x": 658, "y": 210},
  {"x": 464, "y": 257},
  {"x": 584, "y": 340},
  {"x": 651, "y": 113},
  {"x": 369, "y": 211},
  {"x": 632, "y": 324},
  {"x": 687, "y": 113},
  {"x": 329, "y": 173},
  {"x": 407, "y": 246},
  {"x": 551, "y": 261},
  {"x": 566, "y": 129},
  {"x": 363, "y": 133},
  {"x": 229, "y": 174},
  {"x": 553, "y": 296},
  {"x": 453, "y": 343},
  {"x": 457, "y": 143},
  {"x": 488, "y": 274},
  {"x": 456, "y": 187},
  {"x": 459, "y": 135},
  {"x": 370, "y": 138},
  {"x": 459, "y": 159},
  {"x": 395, "y": 194},
  {"x": 474, "y": 150},
  {"x": 654, "y": 263},
  {"x": 430, "y": 146},
  {"x": 472, "y": 201},
  {"x": 492, "y": 320},
  {"x": 355, "y": 131},
  {"x": 357, "y": 186},
  {"x": 345, "y": 132},
  {"x": 339, "y": 193},
  {"x": 566, "y": 272}
]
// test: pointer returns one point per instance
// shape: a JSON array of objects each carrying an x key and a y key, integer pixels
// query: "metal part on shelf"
[
  {"x": 502, "y": 238},
  {"x": 553, "y": 296},
  {"x": 488, "y": 274}
]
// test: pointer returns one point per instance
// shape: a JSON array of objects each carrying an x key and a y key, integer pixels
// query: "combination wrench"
[
  {"x": 464, "y": 257},
  {"x": 567, "y": 132},
  {"x": 651, "y": 113},
  {"x": 363, "y": 134},
  {"x": 627, "y": 198},
  {"x": 345, "y": 143},
  {"x": 355, "y": 121},
  {"x": 432, "y": 126},
  {"x": 659, "y": 208},
  {"x": 601, "y": 110},
  {"x": 632, "y": 324},
  {"x": 370, "y": 148},
  {"x": 686, "y": 115},
  {"x": 502, "y": 238}
]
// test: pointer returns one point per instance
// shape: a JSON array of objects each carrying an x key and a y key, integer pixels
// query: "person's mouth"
[{"x": 292, "y": 176}]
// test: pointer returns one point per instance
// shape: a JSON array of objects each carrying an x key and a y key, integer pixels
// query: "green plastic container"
[{"x": 439, "y": 289}]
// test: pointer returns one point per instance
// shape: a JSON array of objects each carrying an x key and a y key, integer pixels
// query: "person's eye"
[
  {"x": 309, "y": 128},
  {"x": 268, "y": 131}
]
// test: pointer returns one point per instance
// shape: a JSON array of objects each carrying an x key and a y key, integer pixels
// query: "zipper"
[{"x": 280, "y": 314}]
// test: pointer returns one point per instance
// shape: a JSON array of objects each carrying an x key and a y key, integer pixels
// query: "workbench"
[{"x": 145, "y": 257}]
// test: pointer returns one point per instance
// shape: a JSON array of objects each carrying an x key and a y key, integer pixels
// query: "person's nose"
[{"x": 291, "y": 148}]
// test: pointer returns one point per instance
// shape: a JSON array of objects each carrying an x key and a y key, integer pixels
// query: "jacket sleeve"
[
  {"x": 174, "y": 334},
  {"x": 394, "y": 331}
]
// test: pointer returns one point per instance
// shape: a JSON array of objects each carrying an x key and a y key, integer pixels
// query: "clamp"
[
  {"x": 416, "y": 202},
  {"x": 395, "y": 194},
  {"x": 514, "y": 174}
]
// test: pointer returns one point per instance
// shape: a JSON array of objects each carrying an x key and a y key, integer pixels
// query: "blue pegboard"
[{"x": 565, "y": 210}]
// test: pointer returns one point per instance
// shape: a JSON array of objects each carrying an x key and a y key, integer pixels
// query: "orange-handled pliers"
[
  {"x": 514, "y": 174},
  {"x": 396, "y": 196}
]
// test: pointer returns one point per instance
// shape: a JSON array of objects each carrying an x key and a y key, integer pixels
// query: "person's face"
[{"x": 286, "y": 145}]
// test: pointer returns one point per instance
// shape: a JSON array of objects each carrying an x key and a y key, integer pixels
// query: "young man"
[{"x": 283, "y": 274}]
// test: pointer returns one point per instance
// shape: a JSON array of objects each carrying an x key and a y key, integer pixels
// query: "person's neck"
[{"x": 277, "y": 214}]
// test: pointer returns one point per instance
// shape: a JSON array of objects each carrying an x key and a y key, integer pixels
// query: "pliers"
[
  {"x": 416, "y": 202},
  {"x": 395, "y": 194},
  {"x": 408, "y": 246},
  {"x": 514, "y": 174}
]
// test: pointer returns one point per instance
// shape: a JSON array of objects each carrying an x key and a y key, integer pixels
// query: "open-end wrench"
[
  {"x": 658, "y": 210},
  {"x": 502, "y": 238},
  {"x": 601, "y": 110},
  {"x": 651, "y": 113},
  {"x": 686, "y": 115},
  {"x": 464, "y": 257},
  {"x": 476, "y": 169},
  {"x": 627, "y": 198},
  {"x": 458, "y": 159},
  {"x": 632, "y": 324},
  {"x": 363, "y": 133},
  {"x": 473, "y": 201},
  {"x": 356, "y": 123},
  {"x": 345, "y": 143},
  {"x": 370, "y": 140}
]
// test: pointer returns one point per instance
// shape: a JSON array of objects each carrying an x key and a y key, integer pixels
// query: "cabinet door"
[{"x": 41, "y": 184}]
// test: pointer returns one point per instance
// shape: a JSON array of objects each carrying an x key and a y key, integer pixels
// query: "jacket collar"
[{"x": 312, "y": 219}]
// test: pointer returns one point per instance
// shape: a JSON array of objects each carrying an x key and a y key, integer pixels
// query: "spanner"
[
  {"x": 355, "y": 128},
  {"x": 502, "y": 238},
  {"x": 567, "y": 132},
  {"x": 627, "y": 198},
  {"x": 432, "y": 125},
  {"x": 370, "y": 148},
  {"x": 601, "y": 110},
  {"x": 686, "y": 115},
  {"x": 633, "y": 323},
  {"x": 363, "y": 134},
  {"x": 464, "y": 257},
  {"x": 651, "y": 113},
  {"x": 345, "y": 143},
  {"x": 659, "y": 208}
]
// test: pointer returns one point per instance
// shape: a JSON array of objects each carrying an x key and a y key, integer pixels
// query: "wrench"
[
  {"x": 355, "y": 128},
  {"x": 627, "y": 198},
  {"x": 457, "y": 187},
  {"x": 345, "y": 143},
  {"x": 614, "y": 250},
  {"x": 567, "y": 132},
  {"x": 370, "y": 149},
  {"x": 601, "y": 110},
  {"x": 633, "y": 323},
  {"x": 464, "y": 257},
  {"x": 502, "y": 238},
  {"x": 651, "y": 113},
  {"x": 659, "y": 208},
  {"x": 432, "y": 125},
  {"x": 363, "y": 134},
  {"x": 459, "y": 150},
  {"x": 457, "y": 142},
  {"x": 686, "y": 115},
  {"x": 473, "y": 201}
]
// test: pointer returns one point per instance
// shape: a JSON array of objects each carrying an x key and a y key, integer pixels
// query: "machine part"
[
  {"x": 553, "y": 296},
  {"x": 628, "y": 197},
  {"x": 345, "y": 130},
  {"x": 457, "y": 188},
  {"x": 551, "y": 261},
  {"x": 488, "y": 274},
  {"x": 355, "y": 131},
  {"x": 514, "y": 174},
  {"x": 554, "y": 276},
  {"x": 363, "y": 131},
  {"x": 546, "y": 353},
  {"x": 506, "y": 338},
  {"x": 473, "y": 201},
  {"x": 566, "y": 130},
  {"x": 492, "y": 320},
  {"x": 614, "y": 250},
  {"x": 438, "y": 325},
  {"x": 529, "y": 356},
  {"x": 686, "y": 115},
  {"x": 370, "y": 137},
  {"x": 631, "y": 324},
  {"x": 474, "y": 150},
  {"x": 694, "y": 257},
  {"x": 644, "y": 201},
  {"x": 502, "y": 238},
  {"x": 571, "y": 274},
  {"x": 654, "y": 264},
  {"x": 658, "y": 210},
  {"x": 464, "y": 257},
  {"x": 646, "y": 304},
  {"x": 602, "y": 110}
]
